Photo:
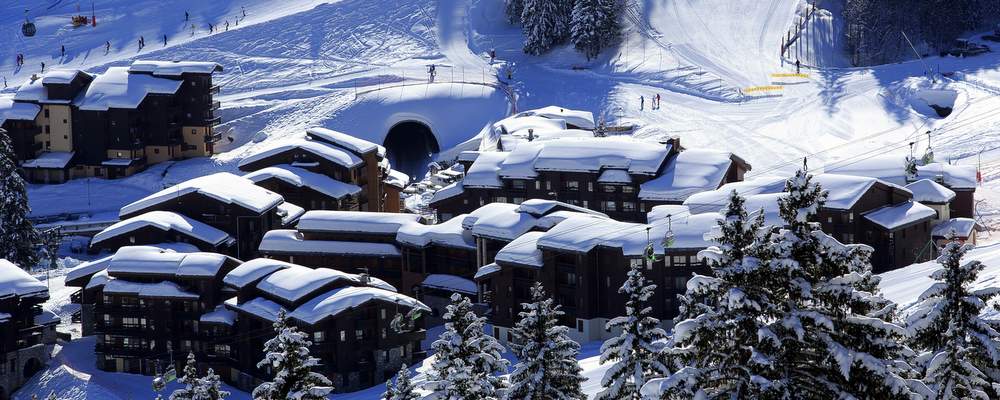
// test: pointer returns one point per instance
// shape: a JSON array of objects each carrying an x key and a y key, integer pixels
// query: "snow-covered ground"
[{"x": 360, "y": 66}]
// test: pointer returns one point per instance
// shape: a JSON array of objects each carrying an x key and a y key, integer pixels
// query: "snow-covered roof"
[
  {"x": 327, "y": 151},
  {"x": 174, "y": 68},
  {"x": 98, "y": 279},
  {"x": 145, "y": 260},
  {"x": 962, "y": 227},
  {"x": 16, "y": 281},
  {"x": 714, "y": 200},
  {"x": 523, "y": 250},
  {"x": 397, "y": 179},
  {"x": 116, "y": 88},
  {"x": 201, "y": 265},
  {"x": 540, "y": 207},
  {"x": 450, "y": 282},
  {"x": 50, "y": 159},
  {"x": 521, "y": 123},
  {"x": 900, "y": 215},
  {"x": 584, "y": 155},
  {"x": 484, "y": 171},
  {"x": 891, "y": 168},
  {"x": 486, "y": 270},
  {"x": 581, "y": 119},
  {"x": 166, "y": 221},
  {"x": 844, "y": 191},
  {"x": 508, "y": 221},
  {"x": 289, "y": 213},
  {"x": 222, "y": 186},
  {"x": 300, "y": 177},
  {"x": 295, "y": 282},
  {"x": 468, "y": 155},
  {"x": 339, "y": 300},
  {"x": 583, "y": 233},
  {"x": 47, "y": 317},
  {"x": 88, "y": 268},
  {"x": 354, "y": 144},
  {"x": 258, "y": 306},
  {"x": 290, "y": 241},
  {"x": 61, "y": 76},
  {"x": 449, "y": 233},
  {"x": 613, "y": 176},
  {"x": 355, "y": 221},
  {"x": 35, "y": 90},
  {"x": 165, "y": 289},
  {"x": 17, "y": 111},
  {"x": 220, "y": 315},
  {"x": 930, "y": 192},
  {"x": 448, "y": 192},
  {"x": 252, "y": 271},
  {"x": 690, "y": 172}
]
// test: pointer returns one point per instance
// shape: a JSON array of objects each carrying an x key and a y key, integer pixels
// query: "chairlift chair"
[{"x": 28, "y": 28}]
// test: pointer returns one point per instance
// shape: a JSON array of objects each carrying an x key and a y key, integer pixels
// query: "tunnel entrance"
[{"x": 410, "y": 146}]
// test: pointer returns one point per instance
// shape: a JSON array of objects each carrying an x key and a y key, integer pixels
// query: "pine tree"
[
  {"x": 287, "y": 356},
  {"x": 712, "y": 347},
  {"x": 403, "y": 389},
  {"x": 514, "y": 9},
  {"x": 198, "y": 388},
  {"x": 594, "y": 25},
  {"x": 17, "y": 235},
  {"x": 633, "y": 353},
  {"x": 541, "y": 25},
  {"x": 962, "y": 349},
  {"x": 547, "y": 367},
  {"x": 564, "y": 20},
  {"x": 832, "y": 337},
  {"x": 467, "y": 361}
]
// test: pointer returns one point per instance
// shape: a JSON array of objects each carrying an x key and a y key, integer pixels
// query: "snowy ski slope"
[{"x": 360, "y": 66}]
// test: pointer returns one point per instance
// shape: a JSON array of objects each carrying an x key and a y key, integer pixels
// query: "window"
[
  {"x": 680, "y": 283},
  {"x": 609, "y": 206},
  {"x": 496, "y": 332},
  {"x": 548, "y": 185},
  {"x": 384, "y": 333},
  {"x": 48, "y": 129},
  {"x": 382, "y": 313},
  {"x": 679, "y": 261},
  {"x": 46, "y": 113},
  {"x": 850, "y": 217},
  {"x": 609, "y": 188},
  {"x": 222, "y": 349},
  {"x": 194, "y": 83},
  {"x": 829, "y": 220},
  {"x": 500, "y": 199},
  {"x": 319, "y": 337},
  {"x": 572, "y": 186},
  {"x": 65, "y": 122},
  {"x": 517, "y": 184},
  {"x": 131, "y": 239},
  {"x": 579, "y": 325},
  {"x": 359, "y": 334},
  {"x": 538, "y": 185},
  {"x": 156, "y": 150},
  {"x": 343, "y": 336},
  {"x": 628, "y": 206},
  {"x": 607, "y": 281},
  {"x": 586, "y": 204},
  {"x": 517, "y": 200},
  {"x": 628, "y": 189},
  {"x": 590, "y": 186},
  {"x": 848, "y": 238}
]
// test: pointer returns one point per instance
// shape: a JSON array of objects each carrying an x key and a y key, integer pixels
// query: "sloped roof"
[
  {"x": 174, "y": 68},
  {"x": 222, "y": 186},
  {"x": 117, "y": 88},
  {"x": 690, "y": 172},
  {"x": 290, "y": 241},
  {"x": 928, "y": 191},
  {"x": 900, "y": 215},
  {"x": 355, "y": 221},
  {"x": 339, "y": 300},
  {"x": 326, "y": 151},
  {"x": 300, "y": 177},
  {"x": 16, "y": 281},
  {"x": 166, "y": 221},
  {"x": 252, "y": 271},
  {"x": 17, "y": 111},
  {"x": 354, "y": 144}
]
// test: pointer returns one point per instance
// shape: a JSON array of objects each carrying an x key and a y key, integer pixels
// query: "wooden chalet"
[{"x": 27, "y": 333}]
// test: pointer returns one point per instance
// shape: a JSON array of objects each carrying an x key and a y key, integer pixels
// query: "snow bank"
[
  {"x": 904, "y": 286},
  {"x": 580, "y": 119}
]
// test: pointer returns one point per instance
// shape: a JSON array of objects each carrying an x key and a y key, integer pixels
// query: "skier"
[
  {"x": 211, "y": 28},
  {"x": 797, "y": 66},
  {"x": 5, "y": 82},
  {"x": 510, "y": 75},
  {"x": 107, "y": 47},
  {"x": 227, "y": 25},
  {"x": 62, "y": 51},
  {"x": 642, "y": 103},
  {"x": 657, "y": 101},
  {"x": 493, "y": 55},
  {"x": 164, "y": 40},
  {"x": 43, "y": 67},
  {"x": 186, "y": 16},
  {"x": 244, "y": 11},
  {"x": 237, "y": 20},
  {"x": 192, "y": 29},
  {"x": 142, "y": 42}
]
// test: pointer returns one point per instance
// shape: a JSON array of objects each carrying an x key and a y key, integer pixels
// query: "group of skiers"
[{"x": 654, "y": 102}]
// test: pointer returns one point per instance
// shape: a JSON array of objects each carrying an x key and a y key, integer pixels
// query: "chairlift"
[
  {"x": 28, "y": 28},
  {"x": 668, "y": 238}
]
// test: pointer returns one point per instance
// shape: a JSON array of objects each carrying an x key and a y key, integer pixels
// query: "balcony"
[
  {"x": 215, "y": 105},
  {"x": 213, "y": 121},
  {"x": 214, "y": 89},
  {"x": 213, "y": 137}
]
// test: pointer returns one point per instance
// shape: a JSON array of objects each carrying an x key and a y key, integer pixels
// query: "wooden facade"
[{"x": 27, "y": 334}]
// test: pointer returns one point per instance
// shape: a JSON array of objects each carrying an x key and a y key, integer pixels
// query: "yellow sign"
[
  {"x": 790, "y": 75},
  {"x": 765, "y": 88}
]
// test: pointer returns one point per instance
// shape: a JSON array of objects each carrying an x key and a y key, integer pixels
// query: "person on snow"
[
  {"x": 107, "y": 47},
  {"x": 493, "y": 55},
  {"x": 186, "y": 16},
  {"x": 62, "y": 51},
  {"x": 211, "y": 28},
  {"x": 43, "y": 67},
  {"x": 142, "y": 42},
  {"x": 797, "y": 66},
  {"x": 642, "y": 103},
  {"x": 164, "y": 40},
  {"x": 657, "y": 101},
  {"x": 244, "y": 11},
  {"x": 227, "y": 25}
]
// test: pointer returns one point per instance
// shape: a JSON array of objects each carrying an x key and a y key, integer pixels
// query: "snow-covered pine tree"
[
  {"x": 634, "y": 356},
  {"x": 198, "y": 388},
  {"x": 17, "y": 235},
  {"x": 541, "y": 26},
  {"x": 403, "y": 388},
  {"x": 467, "y": 360},
  {"x": 961, "y": 349},
  {"x": 547, "y": 366},
  {"x": 594, "y": 25},
  {"x": 714, "y": 336},
  {"x": 514, "y": 9},
  {"x": 287, "y": 357},
  {"x": 564, "y": 20},
  {"x": 832, "y": 338}
]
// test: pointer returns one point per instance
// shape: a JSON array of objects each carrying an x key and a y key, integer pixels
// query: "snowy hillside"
[{"x": 360, "y": 66}]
